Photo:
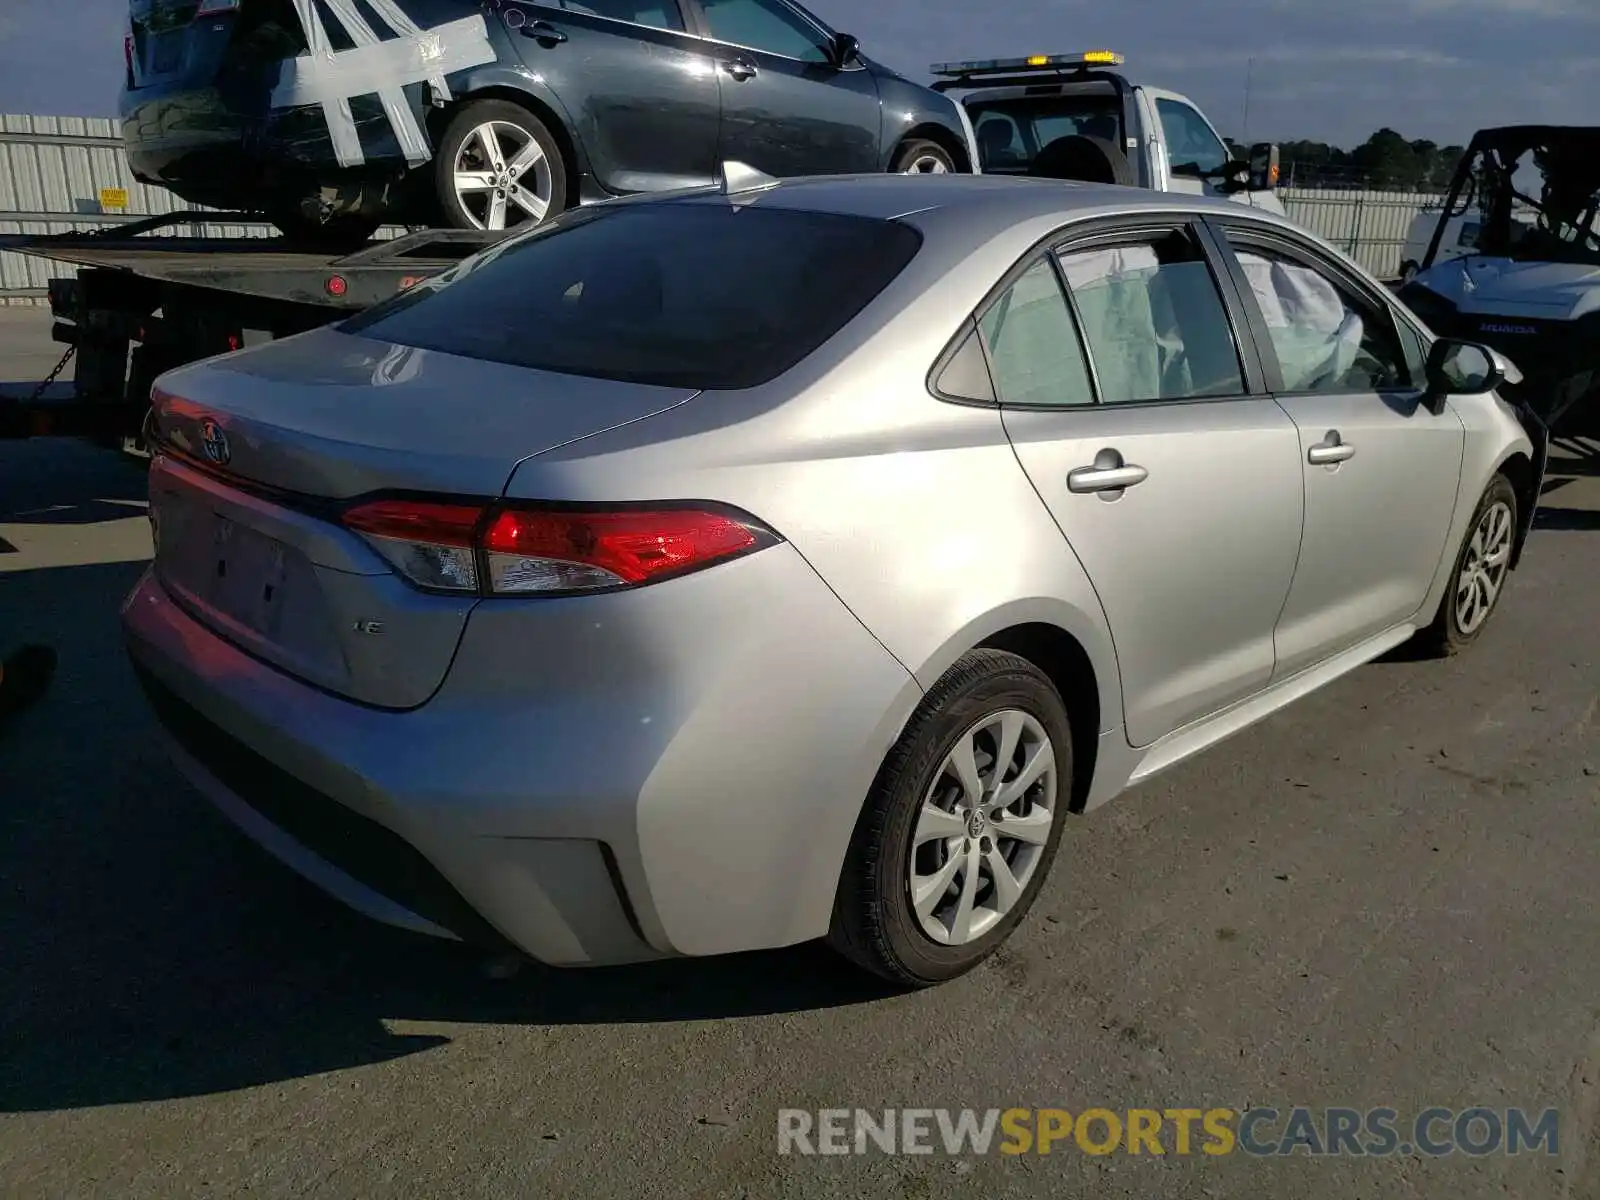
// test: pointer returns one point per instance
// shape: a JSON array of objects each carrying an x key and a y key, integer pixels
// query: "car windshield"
[
  {"x": 1536, "y": 196},
  {"x": 1012, "y": 132},
  {"x": 696, "y": 295}
]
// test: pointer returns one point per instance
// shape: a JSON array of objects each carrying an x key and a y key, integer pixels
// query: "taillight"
[
  {"x": 430, "y": 544},
  {"x": 127, "y": 55},
  {"x": 509, "y": 550}
]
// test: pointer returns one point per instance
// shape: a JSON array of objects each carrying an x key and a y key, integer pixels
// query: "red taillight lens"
[
  {"x": 430, "y": 544},
  {"x": 542, "y": 551},
  {"x": 127, "y": 55},
  {"x": 538, "y": 551}
]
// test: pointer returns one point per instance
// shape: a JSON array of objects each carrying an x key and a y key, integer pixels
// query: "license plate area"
[
  {"x": 250, "y": 576},
  {"x": 236, "y": 572}
]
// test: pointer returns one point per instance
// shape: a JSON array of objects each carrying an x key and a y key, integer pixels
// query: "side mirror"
[
  {"x": 1235, "y": 176},
  {"x": 1458, "y": 368},
  {"x": 1263, "y": 166},
  {"x": 844, "y": 49}
]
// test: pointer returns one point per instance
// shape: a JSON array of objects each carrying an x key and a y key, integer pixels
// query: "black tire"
[
  {"x": 1445, "y": 636},
  {"x": 874, "y": 924},
  {"x": 921, "y": 151},
  {"x": 471, "y": 116},
  {"x": 1086, "y": 159},
  {"x": 338, "y": 234}
]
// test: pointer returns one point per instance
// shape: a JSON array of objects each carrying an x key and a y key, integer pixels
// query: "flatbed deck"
[{"x": 142, "y": 302}]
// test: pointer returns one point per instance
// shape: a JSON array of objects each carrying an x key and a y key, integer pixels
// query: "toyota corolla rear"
[{"x": 479, "y": 692}]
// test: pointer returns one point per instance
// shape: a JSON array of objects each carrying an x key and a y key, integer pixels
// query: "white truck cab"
[{"x": 1071, "y": 116}]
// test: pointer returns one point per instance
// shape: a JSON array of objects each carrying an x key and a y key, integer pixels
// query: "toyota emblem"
[{"x": 215, "y": 443}]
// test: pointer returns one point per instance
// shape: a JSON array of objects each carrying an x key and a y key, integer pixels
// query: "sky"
[{"x": 1328, "y": 70}]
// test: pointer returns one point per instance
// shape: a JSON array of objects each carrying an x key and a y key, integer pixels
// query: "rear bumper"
[
  {"x": 692, "y": 792},
  {"x": 219, "y": 150}
]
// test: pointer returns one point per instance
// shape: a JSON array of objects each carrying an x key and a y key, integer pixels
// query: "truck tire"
[
  {"x": 1087, "y": 159},
  {"x": 524, "y": 191}
]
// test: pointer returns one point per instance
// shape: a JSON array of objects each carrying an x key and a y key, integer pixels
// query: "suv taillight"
[{"x": 516, "y": 550}]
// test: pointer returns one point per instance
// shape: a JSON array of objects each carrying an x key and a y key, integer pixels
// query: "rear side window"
[
  {"x": 1155, "y": 322},
  {"x": 676, "y": 294},
  {"x": 1034, "y": 352}
]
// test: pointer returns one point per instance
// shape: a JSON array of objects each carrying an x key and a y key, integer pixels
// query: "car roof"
[{"x": 985, "y": 198}]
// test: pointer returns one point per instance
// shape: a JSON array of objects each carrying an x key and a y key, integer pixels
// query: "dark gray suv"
[{"x": 332, "y": 117}]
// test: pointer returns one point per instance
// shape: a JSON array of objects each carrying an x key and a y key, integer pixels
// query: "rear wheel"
[
  {"x": 963, "y": 821},
  {"x": 1478, "y": 580},
  {"x": 922, "y": 157},
  {"x": 498, "y": 167}
]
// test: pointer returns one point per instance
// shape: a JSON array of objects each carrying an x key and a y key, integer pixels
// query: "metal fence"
[
  {"x": 58, "y": 174},
  {"x": 1372, "y": 227}
]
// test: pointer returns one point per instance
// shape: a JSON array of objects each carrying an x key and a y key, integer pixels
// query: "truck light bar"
[{"x": 1034, "y": 62}]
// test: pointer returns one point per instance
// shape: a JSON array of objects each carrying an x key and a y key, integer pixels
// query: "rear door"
[
  {"x": 1139, "y": 417},
  {"x": 1380, "y": 469},
  {"x": 640, "y": 89},
  {"x": 786, "y": 109}
]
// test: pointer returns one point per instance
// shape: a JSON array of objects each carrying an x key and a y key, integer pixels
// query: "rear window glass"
[{"x": 677, "y": 294}]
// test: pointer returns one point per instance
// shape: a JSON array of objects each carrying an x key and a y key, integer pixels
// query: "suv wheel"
[
  {"x": 955, "y": 840},
  {"x": 922, "y": 157},
  {"x": 498, "y": 167}
]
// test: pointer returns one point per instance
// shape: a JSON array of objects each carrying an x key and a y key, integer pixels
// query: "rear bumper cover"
[
  {"x": 688, "y": 793},
  {"x": 210, "y": 150}
]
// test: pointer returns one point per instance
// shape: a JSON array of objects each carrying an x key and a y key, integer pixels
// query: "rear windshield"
[{"x": 679, "y": 294}]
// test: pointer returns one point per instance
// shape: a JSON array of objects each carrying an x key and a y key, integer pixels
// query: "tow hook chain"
[{"x": 38, "y": 392}]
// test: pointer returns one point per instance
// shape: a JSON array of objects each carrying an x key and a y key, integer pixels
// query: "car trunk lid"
[{"x": 261, "y": 451}]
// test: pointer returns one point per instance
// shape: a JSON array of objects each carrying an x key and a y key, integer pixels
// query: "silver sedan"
[{"x": 789, "y": 561}]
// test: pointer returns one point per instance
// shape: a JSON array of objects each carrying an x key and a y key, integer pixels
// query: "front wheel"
[
  {"x": 961, "y": 826},
  {"x": 1479, "y": 577},
  {"x": 922, "y": 157},
  {"x": 498, "y": 167}
]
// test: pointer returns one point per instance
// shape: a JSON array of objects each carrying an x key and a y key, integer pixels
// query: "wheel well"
[
  {"x": 1519, "y": 471},
  {"x": 439, "y": 118},
  {"x": 943, "y": 137},
  {"x": 1059, "y": 655}
]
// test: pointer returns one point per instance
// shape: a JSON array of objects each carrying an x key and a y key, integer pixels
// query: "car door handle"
[
  {"x": 1106, "y": 477},
  {"x": 1332, "y": 449},
  {"x": 543, "y": 31},
  {"x": 740, "y": 68}
]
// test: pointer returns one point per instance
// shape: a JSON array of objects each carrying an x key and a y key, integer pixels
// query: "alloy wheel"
[
  {"x": 502, "y": 176},
  {"x": 1483, "y": 570},
  {"x": 983, "y": 826},
  {"x": 927, "y": 164}
]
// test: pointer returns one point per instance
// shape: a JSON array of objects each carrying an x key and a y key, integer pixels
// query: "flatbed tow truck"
[{"x": 142, "y": 305}]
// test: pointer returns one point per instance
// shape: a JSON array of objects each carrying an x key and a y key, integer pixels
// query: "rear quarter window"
[{"x": 694, "y": 295}]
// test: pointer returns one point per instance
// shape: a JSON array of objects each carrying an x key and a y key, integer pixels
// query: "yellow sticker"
[{"x": 113, "y": 198}]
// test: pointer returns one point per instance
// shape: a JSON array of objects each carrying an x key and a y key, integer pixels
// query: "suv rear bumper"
[{"x": 711, "y": 816}]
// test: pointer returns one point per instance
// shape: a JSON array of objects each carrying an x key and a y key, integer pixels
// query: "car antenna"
[{"x": 740, "y": 177}]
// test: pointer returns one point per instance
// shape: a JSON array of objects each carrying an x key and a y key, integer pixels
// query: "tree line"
[{"x": 1385, "y": 160}]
